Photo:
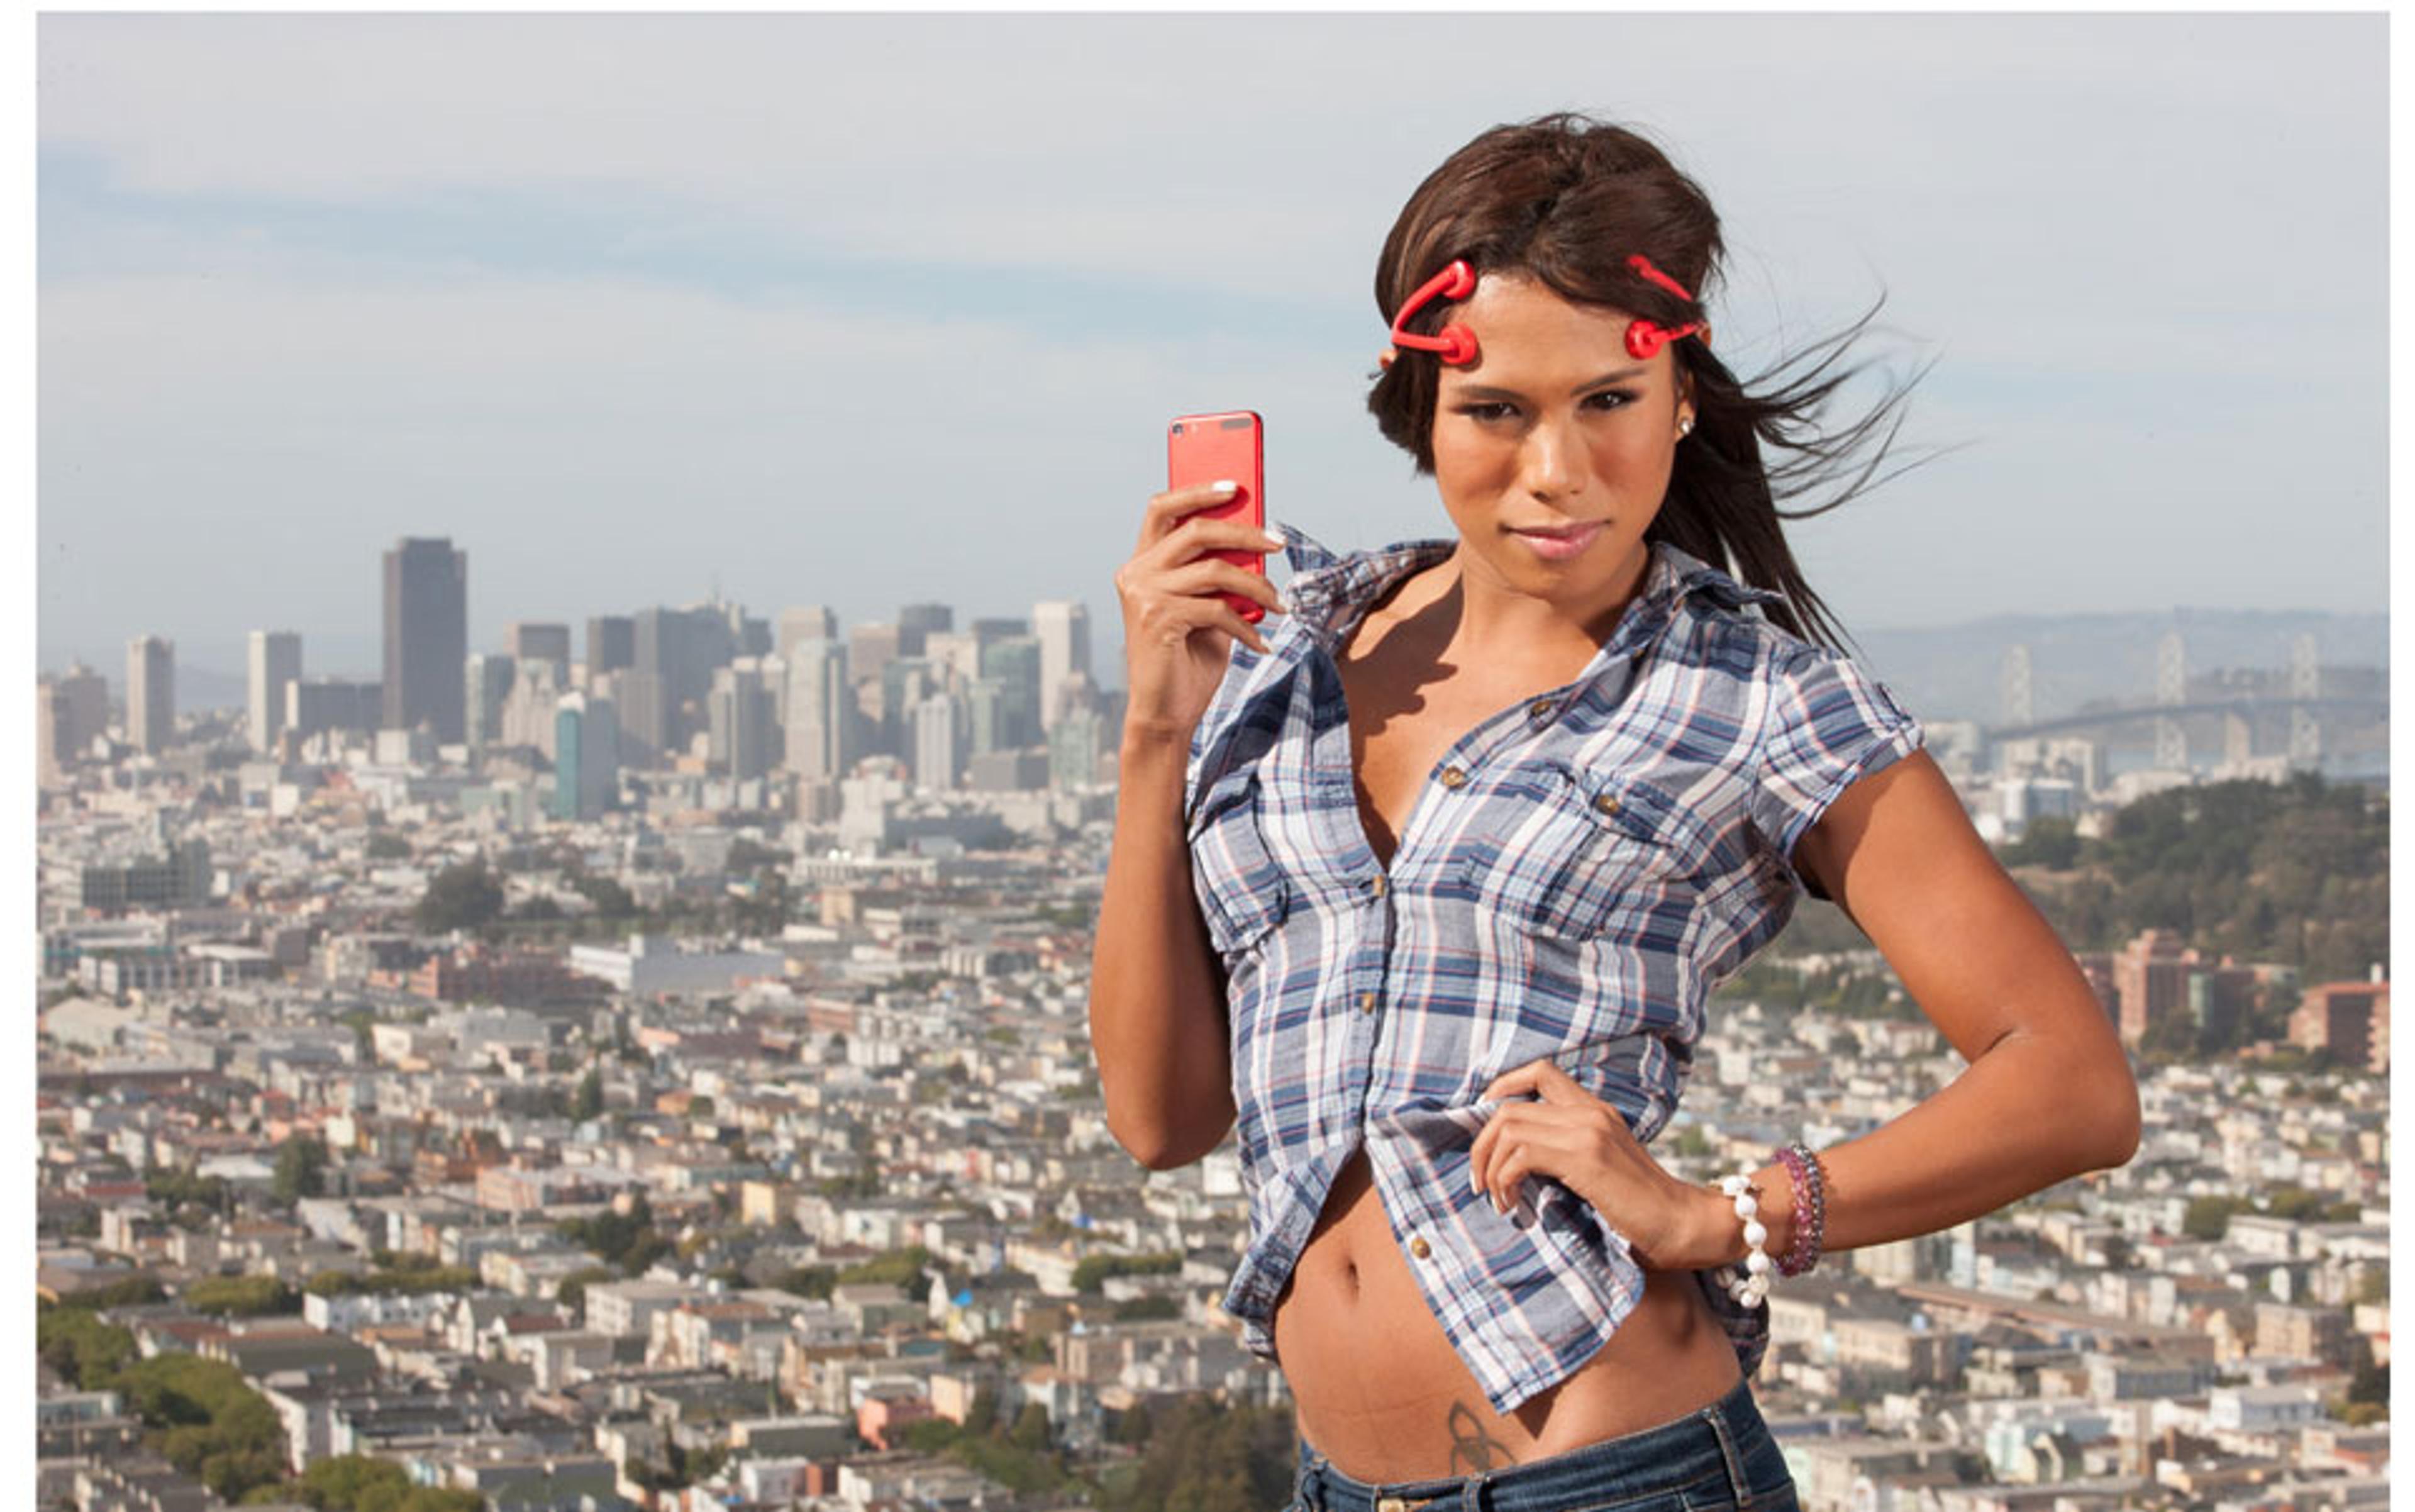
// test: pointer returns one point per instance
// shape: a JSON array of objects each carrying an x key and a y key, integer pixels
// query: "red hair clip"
[
  {"x": 1456, "y": 344},
  {"x": 1646, "y": 337}
]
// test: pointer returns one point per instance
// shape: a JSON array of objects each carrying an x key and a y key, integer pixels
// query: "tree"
[
  {"x": 386, "y": 846},
  {"x": 301, "y": 1169},
  {"x": 590, "y": 1100},
  {"x": 1030, "y": 1430},
  {"x": 461, "y": 896},
  {"x": 243, "y": 1297}
]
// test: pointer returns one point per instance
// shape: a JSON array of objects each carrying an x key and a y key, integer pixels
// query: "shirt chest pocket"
[
  {"x": 1243, "y": 893},
  {"x": 1571, "y": 851}
]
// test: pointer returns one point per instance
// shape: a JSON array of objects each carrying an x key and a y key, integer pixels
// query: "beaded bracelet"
[
  {"x": 1747, "y": 1284},
  {"x": 1809, "y": 1180}
]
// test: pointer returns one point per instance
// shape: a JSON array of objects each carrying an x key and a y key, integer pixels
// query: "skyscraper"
[
  {"x": 813, "y": 621},
  {"x": 528, "y": 641},
  {"x": 274, "y": 660},
  {"x": 87, "y": 692},
  {"x": 486, "y": 684},
  {"x": 1014, "y": 662},
  {"x": 150, "y": 692},
  {"x": 915, "y": 620},
  {"x": 612, "y": 644},
  {"x": 938, "y": 741},
  {"x": 586, "y": 756},
  {"x": 740, "y": 717},
  {"x": 426, "y": 636},
  {"x": 822, "y": 743},
  {"x": 1063, "y": 627}
]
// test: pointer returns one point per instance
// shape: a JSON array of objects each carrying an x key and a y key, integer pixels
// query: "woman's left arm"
[{"x": 2048, "y": 1094}]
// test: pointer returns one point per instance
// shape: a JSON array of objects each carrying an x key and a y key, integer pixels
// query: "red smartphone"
[{"x": 1210, "y": 448}]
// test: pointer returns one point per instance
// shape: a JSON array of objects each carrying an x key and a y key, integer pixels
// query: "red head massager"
[
  {"x": 1643, "y": 338},
  {"x": 1456, "y": 344}
]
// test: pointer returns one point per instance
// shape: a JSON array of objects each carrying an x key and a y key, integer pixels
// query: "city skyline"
[{"x": 625, "y": 357}]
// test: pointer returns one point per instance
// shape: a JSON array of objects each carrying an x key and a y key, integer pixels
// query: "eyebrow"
[{"x": 1486, "y": 390}]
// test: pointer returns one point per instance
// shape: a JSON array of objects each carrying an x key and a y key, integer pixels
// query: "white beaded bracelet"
[{"x": 1747, "y": 1284}]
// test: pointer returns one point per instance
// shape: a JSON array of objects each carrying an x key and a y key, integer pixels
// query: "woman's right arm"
[{"x": 1157, "y": 990}]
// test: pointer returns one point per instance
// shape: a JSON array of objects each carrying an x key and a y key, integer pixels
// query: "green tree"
[
  {"x": 301, "y": 1169},
  {"x": 590, "y": 1100},
  {"x": 243, "y": 1297},
  {"x": 2050, "y": 842},
  {"x": 2208, "y": 1218},
  {"x": 464, "y": 895},
  {"x": 386, "y": 845}
]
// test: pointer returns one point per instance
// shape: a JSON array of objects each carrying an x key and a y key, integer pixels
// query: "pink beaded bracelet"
[{"x": 1810, "y": 1182}]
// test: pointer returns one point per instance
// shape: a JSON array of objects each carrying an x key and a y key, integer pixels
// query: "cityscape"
[{"x": 645, "y": 1065}]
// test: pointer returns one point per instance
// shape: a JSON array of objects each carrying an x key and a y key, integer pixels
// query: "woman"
[{"x": 1426, "y": 887}]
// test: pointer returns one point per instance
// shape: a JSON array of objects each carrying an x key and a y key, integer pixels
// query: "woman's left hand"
[{"x": 1581, "y": 1142}]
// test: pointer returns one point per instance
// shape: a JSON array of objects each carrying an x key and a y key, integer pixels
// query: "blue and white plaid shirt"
[{"x": 1580, "y": 872}]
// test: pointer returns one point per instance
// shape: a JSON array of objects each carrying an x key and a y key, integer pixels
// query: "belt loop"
[
  {"x": 1474, "y": 1493},
  {"x": 1737, "y": 1485}
]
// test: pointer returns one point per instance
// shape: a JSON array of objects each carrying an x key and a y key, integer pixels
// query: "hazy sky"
[{"x": 864, "y": 310}]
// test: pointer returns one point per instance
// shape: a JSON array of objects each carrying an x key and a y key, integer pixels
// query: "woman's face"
[{"x": 1554, "y": 427}]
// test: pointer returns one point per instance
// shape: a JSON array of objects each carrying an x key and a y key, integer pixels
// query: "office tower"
[
  {"x": 1063, "y": 628},
  {"x": 529, "y": 640},
  {"x": 740, "y": 720},
  {"x": 315, "y": 706},
  {"x": 985, "y": 716},
  {"x": 586, "y": 759},
  {"x": 870, "y": 646},
  {"x": 274, "y": 660},
  {"x": 486, "y": 688},
  {"x": 54, "y": 732},
  {"x": 748, "y": 636},
  {"x": 1014, "y": 662},
  {"x": 814, "y": 621},
  {"x": 1075, "y": 747},
  {"x": 612, "y": 644},
  {"x": 81, "y": 712},
  {"x": 903, "y": 683},
  {"x": 533, "y": 703},
  {"x": 680, "y": 649},
  {"x": 637, "y": 703},
  {"x": 426, "y": 636},
  {"x": 917, "y": 620},
  {"x": 938, "y": 741},
  {"x": 954, "y": 656},
  {"x": 150, "y": 694},
  {"x": 820, "y": 742}
]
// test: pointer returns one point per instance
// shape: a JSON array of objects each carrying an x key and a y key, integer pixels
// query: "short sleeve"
[{"x": 1828, "y": 725}]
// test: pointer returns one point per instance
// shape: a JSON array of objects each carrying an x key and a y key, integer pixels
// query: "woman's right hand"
[{"x": 1178, "y": 631}]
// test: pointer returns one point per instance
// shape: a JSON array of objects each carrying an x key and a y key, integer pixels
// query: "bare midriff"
[
  {"x": 1381, "y": 1394},
  {"x": 1379, "y": 1390}
]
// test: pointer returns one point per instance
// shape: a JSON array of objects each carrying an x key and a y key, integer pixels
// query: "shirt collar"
[{"x": 1328, "y": 593}]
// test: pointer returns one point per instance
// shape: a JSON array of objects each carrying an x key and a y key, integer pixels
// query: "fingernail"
[
  {"x": 1226, "y": 486},
  {"x": 1276, "y": 536}
]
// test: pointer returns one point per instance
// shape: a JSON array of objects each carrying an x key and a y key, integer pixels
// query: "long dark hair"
[{"x": 1565, "y": 199}]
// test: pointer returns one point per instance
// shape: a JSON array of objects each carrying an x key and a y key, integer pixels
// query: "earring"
[{"x": 1684, "y": 426}]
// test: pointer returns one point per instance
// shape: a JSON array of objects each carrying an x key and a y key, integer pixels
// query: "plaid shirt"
[{"x": 1582, "y": 870}]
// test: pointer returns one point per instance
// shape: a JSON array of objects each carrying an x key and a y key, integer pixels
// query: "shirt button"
[
  {"x": 1453, "y": 777},
  {"x": 1376, "y": 884},
  {"x": 1607, "y": 802},
  {"x": 1539, "y": 708},
  {"x": 1367, "y": 1002},
  {"x": 1418, "y": 1247}
]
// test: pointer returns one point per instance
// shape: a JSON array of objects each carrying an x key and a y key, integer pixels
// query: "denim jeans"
[{"x": 1719, "y": 1457}]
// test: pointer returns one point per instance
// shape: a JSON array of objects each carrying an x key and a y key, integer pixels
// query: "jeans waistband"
[{"x": 1706, "y": 1446}]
